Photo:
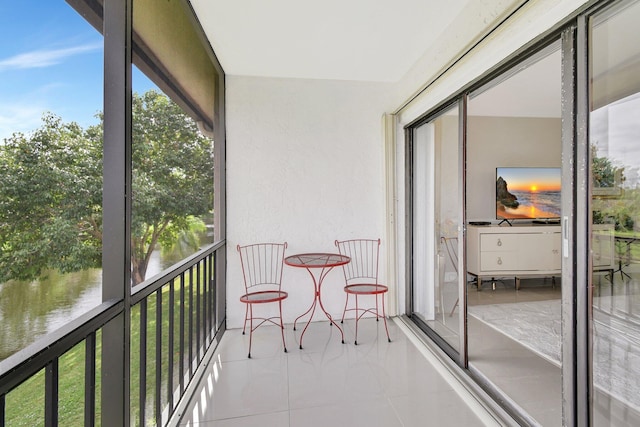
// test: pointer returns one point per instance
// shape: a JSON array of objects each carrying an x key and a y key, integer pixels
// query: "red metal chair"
[
  {"x": 361, "y": 278},
  {"x": 262, "y": 272}
]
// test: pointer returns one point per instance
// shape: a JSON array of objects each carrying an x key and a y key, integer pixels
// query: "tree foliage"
[
  {"x": 619, "y": 209},
  {"x": 50, "y": 203},
  {"x": 51, "y": 190},
  {"x": 603, "y": 171},
  {"x": 172, "y": 176}
]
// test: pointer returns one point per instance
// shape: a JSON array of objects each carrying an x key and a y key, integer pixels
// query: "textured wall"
[{"x": 305, "y": 165}]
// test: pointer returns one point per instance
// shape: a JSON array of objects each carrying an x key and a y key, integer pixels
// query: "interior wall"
[
  {"x": 505, "y": 141},
  {"x": 305, "y": 165}
]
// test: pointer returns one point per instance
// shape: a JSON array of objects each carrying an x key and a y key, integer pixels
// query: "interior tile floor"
[
  {"x": 529, "y": 380},
  {"x": 327, "y": 383}
]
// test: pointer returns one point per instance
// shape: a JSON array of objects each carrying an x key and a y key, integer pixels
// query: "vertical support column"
[
  {"x": 190, "y": 321},
  {"x": 158, "y": 367},
  {"x": 462, "y": 231},
  {"x": 198, "y": 328},
  {"x": 567, "y": 225},
  {"x": 116, "y": 208},
  {"x": 220, "y": 196},
  {"x": 142, "y": 385},
  {"x": 389, "y": 139},
  {"x": 408, "y": 209},
  {"x": 90, "y": 381},
  {"x": 181, "y": 323},
  {"x": 582, "y": 231},
  {"x": 574, "y": 354},
  {"x": 2, "y": 410},
  {"x": 171, "y": 344},
  {"x": 52, "y": 379}
]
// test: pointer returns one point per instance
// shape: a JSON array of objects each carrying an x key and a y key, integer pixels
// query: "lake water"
[{"x": 29, "y": 310}]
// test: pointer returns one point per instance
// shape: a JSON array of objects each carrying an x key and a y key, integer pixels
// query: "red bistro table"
[{"x": 325, "y": 262}]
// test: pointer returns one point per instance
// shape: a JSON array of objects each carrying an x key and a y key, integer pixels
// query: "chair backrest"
[
  {"x": 262, "y": 265},
  {"x": 364, "y": 254},
  {"x": 451, "y": 247}
]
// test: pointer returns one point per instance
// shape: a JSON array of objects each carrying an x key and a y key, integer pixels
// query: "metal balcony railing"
[{"x": 173, "y": 325}]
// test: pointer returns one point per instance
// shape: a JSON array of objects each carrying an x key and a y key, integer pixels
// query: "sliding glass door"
[
  {"x": 533, "y": 284},
  {"x": 615, "y": 207},
  {"x": 437, "y": 220},
  {"x": 513, "y": 240}
]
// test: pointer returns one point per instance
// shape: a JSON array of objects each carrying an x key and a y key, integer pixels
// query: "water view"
[{"x": 30, "y": 310}]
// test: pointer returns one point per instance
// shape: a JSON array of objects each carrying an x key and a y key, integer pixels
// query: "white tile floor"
[{"x": 375, "y": 383}]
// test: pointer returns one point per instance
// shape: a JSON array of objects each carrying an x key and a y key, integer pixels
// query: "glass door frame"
[
  {"x": 579, "y": 383},
  {"x": 574, "y": 35},
  {"x": 575, "y": 230},
  {"x": 460, "y": 101}
]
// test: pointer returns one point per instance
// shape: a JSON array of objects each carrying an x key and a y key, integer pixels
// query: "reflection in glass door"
[
  {"x": 436, "y": 226},
  {"x": 615, "y": 207},
  {"x": 513, "y": 238}
]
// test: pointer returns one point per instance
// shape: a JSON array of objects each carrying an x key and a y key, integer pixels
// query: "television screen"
[{"x": 527, "y": 193}]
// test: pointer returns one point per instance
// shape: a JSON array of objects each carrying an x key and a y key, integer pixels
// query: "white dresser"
[
  {"x": 528, "y": 250},
  {"x": 519, "y": 250}
]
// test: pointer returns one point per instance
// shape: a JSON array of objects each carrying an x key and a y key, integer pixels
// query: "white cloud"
[
  {"x": 45, "y": 58},
  {"x": 19, "y": 118},
  {"x": 24, "y": 113}
]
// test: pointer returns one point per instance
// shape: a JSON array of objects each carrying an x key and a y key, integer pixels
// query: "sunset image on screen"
[
  {"x": 532, "y": 179},
  {"x": 527, "y": 192}
]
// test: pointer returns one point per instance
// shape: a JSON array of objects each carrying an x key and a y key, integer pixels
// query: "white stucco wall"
[{"x": 304, "y": 165}]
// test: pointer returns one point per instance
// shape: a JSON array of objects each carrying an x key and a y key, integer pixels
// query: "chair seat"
[
  {"x": 263, "y": 297},
  {"x": 365, "y": 289}
]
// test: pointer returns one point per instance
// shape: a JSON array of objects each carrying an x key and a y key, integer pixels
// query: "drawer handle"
[
  {"x": 499, "y": 242},
  {"x": 499, "y": 261}
]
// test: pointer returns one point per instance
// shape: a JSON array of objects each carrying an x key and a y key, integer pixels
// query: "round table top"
[{"x": 316, "y": 260}]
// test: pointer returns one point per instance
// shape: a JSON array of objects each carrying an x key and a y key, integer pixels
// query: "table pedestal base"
[{"x": 316, "y": 301}]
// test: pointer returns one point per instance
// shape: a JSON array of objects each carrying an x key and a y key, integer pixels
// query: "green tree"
[
  {"x": 619, "y": 208},
  {"x": 51, "y": 190},
  {"x": 50, "y": 201},
  {"x": 172, "y": 176},
  {"x": 603, "y": 171}
]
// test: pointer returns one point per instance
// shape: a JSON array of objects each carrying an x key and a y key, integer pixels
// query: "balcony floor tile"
[{"x": 374, "y": 383}]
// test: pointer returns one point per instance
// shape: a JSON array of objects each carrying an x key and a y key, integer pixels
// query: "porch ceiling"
[{"x": 365, "y": 40}]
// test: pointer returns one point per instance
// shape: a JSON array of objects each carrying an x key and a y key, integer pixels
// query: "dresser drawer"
[
  {"x": 514, "y": 251},
  {"x": 498, "y": 242},
  {"x": 499, "y": 261}
]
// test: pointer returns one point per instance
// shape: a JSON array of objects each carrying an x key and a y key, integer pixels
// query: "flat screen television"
[{"x": 528, "y": 193}]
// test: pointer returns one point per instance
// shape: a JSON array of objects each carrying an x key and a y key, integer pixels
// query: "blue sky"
[{"x": 50, "y": 60}]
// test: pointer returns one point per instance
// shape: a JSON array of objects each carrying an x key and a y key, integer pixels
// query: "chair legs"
[
  {"x": 250, "y": 307},
  {"x": 345, "y": 308},
  {"x": 282, "y": 327},
  {"x": 248, "y": 316},
  {"x": 359, "y": 315}
]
